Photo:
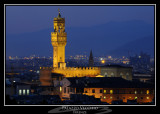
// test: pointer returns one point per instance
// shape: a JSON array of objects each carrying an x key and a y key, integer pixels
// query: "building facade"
[
  {"x": 141, "y": 95},
  {"x": 59, "y": 40},
  {"x": 117, "y": 71},
  {"x": 108, "y": 89}
]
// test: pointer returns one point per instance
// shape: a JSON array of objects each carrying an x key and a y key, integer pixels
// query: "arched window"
[
  {"x": 105, "y": 74},
  {"x": 121, "y": 74},
  {"x": 127, "y": 75},
  {"x": 112, "y": 74}
]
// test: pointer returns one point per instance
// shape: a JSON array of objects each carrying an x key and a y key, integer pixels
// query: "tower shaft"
[{"x": 59, "y": 40}]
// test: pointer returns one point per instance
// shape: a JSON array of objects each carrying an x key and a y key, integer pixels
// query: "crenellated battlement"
[
  {"x": 78, "y": 68},
  {"x": 75, "y": 71},
  {"x": 71, "y": 68},
  {"x": 46, "y": 68}
]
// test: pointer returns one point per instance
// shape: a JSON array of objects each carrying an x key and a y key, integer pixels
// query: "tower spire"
[
  {"x": 59, "y": 14},
  {"x": 91, "y": 61}
]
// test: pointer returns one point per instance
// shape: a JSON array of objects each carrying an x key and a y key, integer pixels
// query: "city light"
[{"x": 103, "y": 61}]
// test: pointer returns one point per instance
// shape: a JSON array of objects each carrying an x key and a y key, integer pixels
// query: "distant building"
[
  {"x": 108, "y": 89},
  {"x": 142, "y": 77},
  {"x": 115, "y": 89},
  {"x": 38, "y": 99},
  {"x": 23, "y": 89},
  {"x": 18, "y": 88},
  {"x": 117, "y": 71},
  {"x": 10, "y": 90},
  {"x": 140, "y": 63},
  {"x": 47, "y": 78},
  {"x": 49, "y": 90}
]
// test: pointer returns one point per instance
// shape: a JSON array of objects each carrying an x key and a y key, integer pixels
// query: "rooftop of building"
[
  {"x": 106, "y": 82},
  {"x": 56, "y": 75},
  {"x": 116, "y": 66}
]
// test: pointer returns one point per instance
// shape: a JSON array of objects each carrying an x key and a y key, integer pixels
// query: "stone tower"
[
  {"x": 59, "y": 40},
  {"x": 91, "y": 61}
]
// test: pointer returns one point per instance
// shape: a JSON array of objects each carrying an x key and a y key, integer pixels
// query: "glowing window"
[
  {"x": 60, "y": 89},
  {"x": 121, "y": 74},
  {"x": 20, "y": 92},
  {"x": 112, "y": 74},
  {"x": 135, "y": 98},
  {"x": 111, "y": 97},
  {"x": 135, "y": 92},
  {"x": 104, "y": 91},
  {"x": 105, "y": 74},
  {"x": 27, "y": 91},
  {"x": 147, "y": 97},
  {"x": 111, "y": 91},
  {"x": 104, "y": 97},
  {"x": 24, "y": 91},
  {"x": 147, "y": 92}
]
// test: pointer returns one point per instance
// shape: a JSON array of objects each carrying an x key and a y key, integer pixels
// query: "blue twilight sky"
[{"x": 25, "y": 20}]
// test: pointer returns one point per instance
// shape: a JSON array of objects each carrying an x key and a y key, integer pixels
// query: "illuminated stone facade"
[
  {"x": 46, "y": 72},
  {"x": 141, "y": 95},
  {"x": 115, "y": 89},
  {"x": 59, "y": 40},
  {"x": 117, "y": 71}
]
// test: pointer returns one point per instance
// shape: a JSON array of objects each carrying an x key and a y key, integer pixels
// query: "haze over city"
[{"x": 107, "y": 30}]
